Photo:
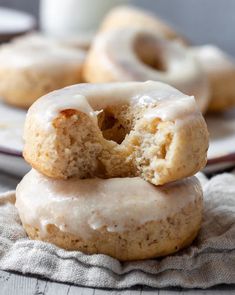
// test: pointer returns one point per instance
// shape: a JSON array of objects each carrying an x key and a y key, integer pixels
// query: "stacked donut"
[{"x": 113, "y": 168}]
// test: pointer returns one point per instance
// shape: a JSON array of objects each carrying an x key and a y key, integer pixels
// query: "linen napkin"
[{"x": 209, "y": 261}]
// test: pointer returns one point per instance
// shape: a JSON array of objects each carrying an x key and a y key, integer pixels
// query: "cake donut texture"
[
  {"x": 135, "y": 54},
  {"x": 220, "y": 69},
  {"x": 110, "y": 130},
  {"x": 126, "y": 218},
  {"x": 129, "y": 16},
  {"x": 28, "y": 70}
]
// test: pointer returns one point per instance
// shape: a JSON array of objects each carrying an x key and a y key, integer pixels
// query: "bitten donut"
[
  {"x": 116, "y": 130},
  {"x": 129, "y": 16},
  {"x": 28, "y": 71},
  {"x": 134, "y": 54},
  {"x": 220, "y": 68},
  {"x": 126, "y": 218}
]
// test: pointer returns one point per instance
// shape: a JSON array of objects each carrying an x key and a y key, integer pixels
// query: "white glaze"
[
  {"x": 168, "y": 110},
  {"x": 80, "y": 41},
  {"x": 164, "y": 102},
  {"x": 83, "y": 206},
  {"x": 214, "y": 59},
  {"x": 116, "y": 54},
  {"x": 37, "y": 53}
]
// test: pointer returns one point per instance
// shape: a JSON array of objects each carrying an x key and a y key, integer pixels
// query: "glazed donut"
[
  {"x": 220, "y": 69},
  {"x": 126, "y": 218},
  {"x": 138, "y": 55},
  {"x": 129, "y": 16},
  {"x": 116, "y": 130},
  {"x": 28, "y": 70}
]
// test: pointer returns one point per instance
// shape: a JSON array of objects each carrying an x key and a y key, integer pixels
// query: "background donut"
[
  {"x": 134, "y": 54},
  {"x": 29, "y": 70},
  {"x": 220, "y": 69}
]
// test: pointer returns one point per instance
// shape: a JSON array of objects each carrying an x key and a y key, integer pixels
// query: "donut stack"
[{"x": 112, "y": 169}]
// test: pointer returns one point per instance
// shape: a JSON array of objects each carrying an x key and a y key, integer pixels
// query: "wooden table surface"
[{"x": 17, "y": 284}]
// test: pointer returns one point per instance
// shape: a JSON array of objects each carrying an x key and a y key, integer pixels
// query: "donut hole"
[
  {"x": 150, "y": 52},
  {"x": 111, "y": 127}
]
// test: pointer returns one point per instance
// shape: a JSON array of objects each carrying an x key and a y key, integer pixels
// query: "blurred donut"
[
  {"x": 133, "y": 54},
  {"x": 29, "y": 70},
  {"x": 220, "y": 69}
]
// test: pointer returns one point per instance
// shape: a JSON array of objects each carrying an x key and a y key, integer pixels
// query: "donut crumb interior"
[{"x": 121, "y": 144}]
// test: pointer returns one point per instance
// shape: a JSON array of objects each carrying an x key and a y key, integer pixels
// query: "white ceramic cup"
[{"x": 69, "y": 17}]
